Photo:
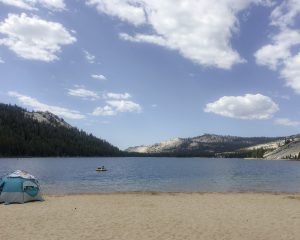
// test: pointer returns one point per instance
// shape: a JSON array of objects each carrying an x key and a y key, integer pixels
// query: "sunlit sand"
[{"x": 164, "y": 216}]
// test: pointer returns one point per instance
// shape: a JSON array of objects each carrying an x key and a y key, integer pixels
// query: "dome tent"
[{"x": 19, "y": 187}]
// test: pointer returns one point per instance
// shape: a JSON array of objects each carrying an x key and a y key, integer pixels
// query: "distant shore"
[{"x": 152, "y": 215}]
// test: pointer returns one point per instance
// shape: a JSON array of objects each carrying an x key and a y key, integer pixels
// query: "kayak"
[{"x": 101, "y": 169}]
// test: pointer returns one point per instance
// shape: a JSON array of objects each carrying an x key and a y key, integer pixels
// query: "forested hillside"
[{"x": 24, "y": 135}]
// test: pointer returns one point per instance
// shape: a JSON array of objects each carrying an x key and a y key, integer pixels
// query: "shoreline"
[{"x": 150, "y": 193}]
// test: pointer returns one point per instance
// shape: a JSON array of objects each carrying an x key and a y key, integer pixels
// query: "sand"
[{"x": 139, "y": 216}]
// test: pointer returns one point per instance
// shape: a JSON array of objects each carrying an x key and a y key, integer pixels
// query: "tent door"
[
  {"x": 30, "y": 188},
  {"x": 1, "y": 186}
]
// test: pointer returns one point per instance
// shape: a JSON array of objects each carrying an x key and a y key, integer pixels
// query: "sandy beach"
[{"x": 155, "y": 216}]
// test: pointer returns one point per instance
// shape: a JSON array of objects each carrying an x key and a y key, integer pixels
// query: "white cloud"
[
  {"x": 34, "y": 38},
  {"x": 199, "y": 29},
  {"x": 18, "y": 3},
  {"x": 38, "y": 106},
  {"x": 117, "y": 96},
  {"x": 274, "y": 55},
  {"x": 117, "y": 103},
  {"x": 1, "y": 60},
  {"x": 124, "y": 106},
  {"x": 284, "y": 14},
  {"x": 114, "y": 107},
  {"x": 278, "y": 55},
  {"x": 81, "y": 92},
  {"x": 126, "y": 10},
  {"x": 146, "y": 38},
  {"x": 33, "y": 4},
  {"x": 98, "y": 76},
  {"x": 291, "y": 72},
  {"x": 249, "y": 106},
  {"x": 104, "y": 111},
  {"x": 89, "y": 57},
  {"x": 286, "y": 122},
  {"x": 53, "y": 4}
]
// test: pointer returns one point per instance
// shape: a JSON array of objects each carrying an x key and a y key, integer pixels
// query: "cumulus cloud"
[
  {"x": 98, "y": 76},
  {"x": 291, "y": 72},
  {"x": 38, "y": 106},
  {"x": 275, "y": 54},
  {"x": 1, "y": 60},
  {"x": 127, "y": 10},
  {"x": 124, "y": 106},
  {"x": 33, "y": 4},
  {"x": 104, "y": 111},
  {"x": 284, "y": 14},
  {"x": 118, "y": 96},
  {"x": 89, "y": 57},
  {"x": 117, "y": 103},
  {"x": 34, "y": 38},
  {"x": 278, "y": 55},
  {"x": 114, "y": 107},
  {"x": 146, "y": 38},
  {"x": 199, "y": 30},
  {"x": 286, "y": 122},
  {"x": 249, "y": 106},
  {"x": 80, "y": 91}
]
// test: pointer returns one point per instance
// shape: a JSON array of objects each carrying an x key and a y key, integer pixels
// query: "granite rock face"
[
  {"x": 49, "y": 118},
  {"x": 207, "y": 143},
  {"x": 287, "y": 151}
]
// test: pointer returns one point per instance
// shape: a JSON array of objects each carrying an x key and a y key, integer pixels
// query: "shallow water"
[{"x": 78, "y": 175}]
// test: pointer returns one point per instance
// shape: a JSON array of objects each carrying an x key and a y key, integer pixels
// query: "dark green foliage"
[
  {"x": 23, "y": 136},
  {"x": 291, "y": 157},
  {"x": 287, "y": 141},
  {"x": 257, "y": 153},
  {"x": 237, "y": 154}
]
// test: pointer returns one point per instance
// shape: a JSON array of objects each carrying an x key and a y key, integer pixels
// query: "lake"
[{"x": 78, "y": 175}]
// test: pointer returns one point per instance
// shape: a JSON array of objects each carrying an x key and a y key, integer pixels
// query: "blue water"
[{"x": 78, "y": 175}]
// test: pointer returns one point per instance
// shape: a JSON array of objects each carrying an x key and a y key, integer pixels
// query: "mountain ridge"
[
  {"x": 206, "y": 142},
  {"x": 214, "y": 145}
]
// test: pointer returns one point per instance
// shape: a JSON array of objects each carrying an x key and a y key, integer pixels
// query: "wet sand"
[{"x": 139, "y": 216}]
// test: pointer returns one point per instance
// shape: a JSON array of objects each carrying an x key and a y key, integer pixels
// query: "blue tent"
[{"x": 19, "y": 187}]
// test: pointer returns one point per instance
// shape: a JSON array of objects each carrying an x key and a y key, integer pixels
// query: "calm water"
[{"x": 71, "y": 175}]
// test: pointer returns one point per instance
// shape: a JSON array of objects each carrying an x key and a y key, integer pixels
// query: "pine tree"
[{"x": 24, "y": 136}]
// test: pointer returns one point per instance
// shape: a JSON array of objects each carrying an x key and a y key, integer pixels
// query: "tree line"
[{"x": 21, "y": 135}]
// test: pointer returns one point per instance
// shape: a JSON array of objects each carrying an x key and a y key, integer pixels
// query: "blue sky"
[{"x": 139, "y": 72}]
